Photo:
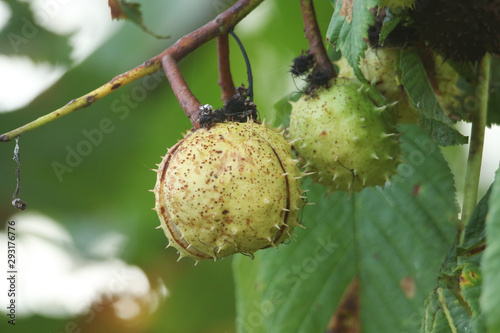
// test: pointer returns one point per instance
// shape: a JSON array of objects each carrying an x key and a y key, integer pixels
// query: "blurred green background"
[{"x": 103, "y": 202}]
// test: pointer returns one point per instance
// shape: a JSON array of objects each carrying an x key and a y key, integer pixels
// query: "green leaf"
[
  {"x": 490, "y": 302},
  {"x": 461, "y": 281},
  {"x": 454, "y": 305},
  {"x": 419, "y": 89},
  {"x": 420, "y": 92},
  {"x": 283, "y": 108},
  {"x": 474, "y": 233},
  {"x": 305, "y": 278},
  {"x": 461, "y": 276},
  {"x": 435, "y": 319},
  {"x": 348, "y": 29},
  {"x": 22, "y": 36},
  {"x": 457, "y": 317},
  {"x": 392, "y": 239},
  {"x": 470, "y": 283},
  {"x": 247, "y": 298},
  {"x": 442, "y": 134},
  {"x": 121, "y": 9},
  {"x": 389, "y": 24}
]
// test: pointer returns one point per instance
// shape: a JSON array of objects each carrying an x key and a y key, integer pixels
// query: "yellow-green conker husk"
[
  {"x": 234, "y": 188},
  {"x": 380, "y": 67},
  {"x": 345, "y": 134}
]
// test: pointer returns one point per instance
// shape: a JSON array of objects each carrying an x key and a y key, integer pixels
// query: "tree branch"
[
  {"x": 313, "y": 35},
  {"x": 220, "y": 25},
  {"x": 225, "y": 79},
  {"x": 189, "y": 103},
  {"x": 86, "y": 100}
]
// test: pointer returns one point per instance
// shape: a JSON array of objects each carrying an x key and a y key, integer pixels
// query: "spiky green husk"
[
  {"x": 380, "y": 67},
  {"x": 231, "y": 189},
  {"x": 346, "y": 135}
]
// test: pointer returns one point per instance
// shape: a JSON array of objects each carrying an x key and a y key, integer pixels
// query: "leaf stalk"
[{"x": 476, "y": 145}]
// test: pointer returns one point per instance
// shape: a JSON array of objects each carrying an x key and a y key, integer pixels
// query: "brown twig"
[
  {"x": 86, "y": 100},
  {"x": 225, "y": 79},
  {"x": 220, "y": 25},
  {"x": 188, "y": 101},
  {"x": 313, "y": 35}
]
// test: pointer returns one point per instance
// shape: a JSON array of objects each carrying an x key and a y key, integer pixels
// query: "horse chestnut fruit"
[
  {"x": 346, "y": 135},
  {"x": 233, "y": 188},
  {"x": 380, "y": 67}
]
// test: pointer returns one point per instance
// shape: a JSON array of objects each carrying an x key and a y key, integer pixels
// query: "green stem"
[{"x": 476, "y": 144}]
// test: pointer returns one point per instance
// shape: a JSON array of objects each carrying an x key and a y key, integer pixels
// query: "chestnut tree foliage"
[{"x": 403, "y": 257}]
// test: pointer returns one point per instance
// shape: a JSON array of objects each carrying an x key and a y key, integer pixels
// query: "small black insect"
[
  {"x": 238, "y": 108},
  {"x": 374, "y": 34},
  {"x": 375, "y": 29},
  {"x": 318, "y": 78},
  {"x": 302, "y": 64}
]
